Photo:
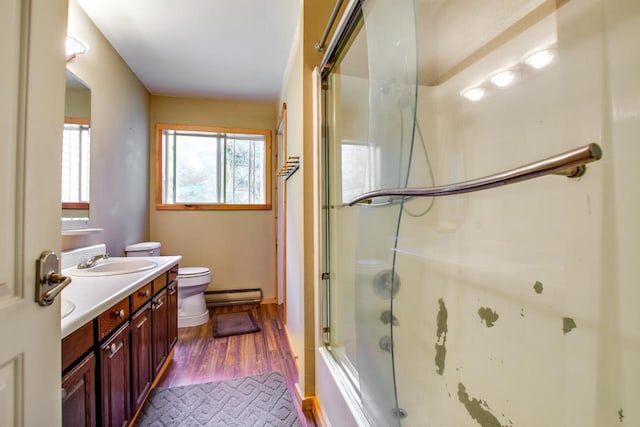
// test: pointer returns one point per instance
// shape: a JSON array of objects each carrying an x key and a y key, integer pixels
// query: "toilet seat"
[
  {"x": 193, "y": 276},
  {"x": 193, "y": 271}
]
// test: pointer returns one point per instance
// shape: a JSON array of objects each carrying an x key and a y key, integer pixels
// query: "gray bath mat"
[
  {"x": 258, "y": 400},
  {"x": 227, "y": 324}
]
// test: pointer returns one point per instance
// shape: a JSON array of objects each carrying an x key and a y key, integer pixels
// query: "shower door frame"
[{"x": 351, "y": 18}]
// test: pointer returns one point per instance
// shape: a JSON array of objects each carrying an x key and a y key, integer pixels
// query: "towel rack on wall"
[
  {"x": 290, "y": 166},
  {"x": 570, "y": 164}
]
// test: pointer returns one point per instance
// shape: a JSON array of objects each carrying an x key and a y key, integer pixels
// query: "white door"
[{"x": 32, "y": 73}]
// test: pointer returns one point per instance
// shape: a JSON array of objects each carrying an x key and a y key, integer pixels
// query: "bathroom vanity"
[{"x": 117, "y": 341}]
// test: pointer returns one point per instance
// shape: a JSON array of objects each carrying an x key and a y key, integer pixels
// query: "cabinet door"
[
  {"x": 159, "y": 325},
  {"x": 79, "y": 395},
  {"x": 141, "y": 359},
  {"x": 114, "y": 367},
  {"x": 172, "y": 314}
]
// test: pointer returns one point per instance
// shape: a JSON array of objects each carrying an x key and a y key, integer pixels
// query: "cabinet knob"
[
  {"x": 144, "y": 293},
  {"x": 119, "y": 314},
  {"x": 112, "y": 348}
]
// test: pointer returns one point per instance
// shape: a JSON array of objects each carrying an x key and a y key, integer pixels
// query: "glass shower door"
[
  {"x": 511, "y": 306},
  {"x": 370, "y": 101}
]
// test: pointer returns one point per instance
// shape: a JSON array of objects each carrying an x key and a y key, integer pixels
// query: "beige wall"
[
  {"x": 77, "y": 103},
  {"x": 119, "y": 126},
  {"x": 297, "y": 92},
  {"x": 292, "y": 95},
  {"x": 238, "y": 246},
  {"x": 316, "y": 15}
]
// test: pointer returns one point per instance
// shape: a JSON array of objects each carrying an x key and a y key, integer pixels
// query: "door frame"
[{"x": 281, "y": 210}]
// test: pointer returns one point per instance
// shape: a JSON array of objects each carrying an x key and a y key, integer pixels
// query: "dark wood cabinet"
[
  {"x": 140, "y": 297},
  {"x": 79, "y": 394},
  {"x": 172, "y": 315},
  {"x": 115, "y": 380},
  {"x": 110, "y": 363},
  {"x": 172, "y": 274},
  {"x": 159, "y": 324},
  {"x": 113, "y": 317},
  {"x": 77, "y": 344},
  {"x": 141, "y": 356},
  {"x": 159, "y": 283}
]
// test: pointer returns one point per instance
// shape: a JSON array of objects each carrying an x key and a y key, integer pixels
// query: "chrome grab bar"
[{"x": 569, "y": 164}]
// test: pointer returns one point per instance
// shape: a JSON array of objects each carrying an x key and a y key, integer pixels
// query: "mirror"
[{"x": 76, "y": 148}]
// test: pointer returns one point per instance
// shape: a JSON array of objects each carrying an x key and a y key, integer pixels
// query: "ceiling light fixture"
[
  {"x": 540, "y": 59},
  {"x": 75, "y": 46},
  {"x": 503, "y": 78},
  {"x": 473, "y": 93}
]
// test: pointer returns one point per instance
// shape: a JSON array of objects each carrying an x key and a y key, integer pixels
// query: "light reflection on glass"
[
  {"x": 473, "y": 93},
  {"x": 540, "y": 59}
]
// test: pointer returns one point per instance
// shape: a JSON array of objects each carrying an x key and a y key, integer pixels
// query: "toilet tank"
[{"x": 143, "y": 249}]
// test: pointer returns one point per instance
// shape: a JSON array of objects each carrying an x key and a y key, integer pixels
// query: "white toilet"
[{"x": 192, "y": 282}]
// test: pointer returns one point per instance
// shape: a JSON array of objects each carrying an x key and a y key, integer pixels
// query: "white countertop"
[{"x": 93, "y": 295}]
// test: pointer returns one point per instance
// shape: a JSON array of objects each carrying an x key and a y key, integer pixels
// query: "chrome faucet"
[{"x": 88, "y": 261}]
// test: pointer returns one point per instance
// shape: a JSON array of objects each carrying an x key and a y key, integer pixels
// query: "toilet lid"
[
  {"x": 143, "y": 246},
  {"x": 192, "y": 271}
]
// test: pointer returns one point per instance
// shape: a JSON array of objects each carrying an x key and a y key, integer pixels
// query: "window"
[
  {"x": 199, "y": 167},
  {"x": 75, "y": 164}
]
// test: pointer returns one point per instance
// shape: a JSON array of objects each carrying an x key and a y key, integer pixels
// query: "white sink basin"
[
  {"x": 66, "y": 308},
  {"x": 113, "y": 267}
]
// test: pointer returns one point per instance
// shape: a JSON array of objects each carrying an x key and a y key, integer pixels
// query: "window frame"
[
  {"x": 83, "y": 122},
  {"x": 160, "y": 127}
]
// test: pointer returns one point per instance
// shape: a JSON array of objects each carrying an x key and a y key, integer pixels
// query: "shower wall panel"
[{"x": 518, "y": 304}]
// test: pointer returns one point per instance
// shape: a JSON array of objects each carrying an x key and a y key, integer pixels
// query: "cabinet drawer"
[
  {"x": 76, "y": 344},
  {"x": 173, "y": 273},
  {"x": 113, "y": 317},
  {"x": 140, "y": 297},
  {"x": 159, "y": 283}
]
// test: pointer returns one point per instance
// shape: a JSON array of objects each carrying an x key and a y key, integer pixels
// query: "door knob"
[{"x": 49, "y": 282}]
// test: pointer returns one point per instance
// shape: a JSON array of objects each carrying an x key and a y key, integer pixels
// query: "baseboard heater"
[{"x": 233, "y": 297}]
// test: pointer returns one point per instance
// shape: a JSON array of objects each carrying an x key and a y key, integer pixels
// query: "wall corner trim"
[{"x": 294, "y": 355}]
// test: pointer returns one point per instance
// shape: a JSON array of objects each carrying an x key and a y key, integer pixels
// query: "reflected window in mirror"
[
  {"x": 76, "y": 154},
  {"x": 76, "y": 144}
]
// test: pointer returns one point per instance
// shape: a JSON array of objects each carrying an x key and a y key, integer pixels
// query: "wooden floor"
[{"x": 201, "y": 358}]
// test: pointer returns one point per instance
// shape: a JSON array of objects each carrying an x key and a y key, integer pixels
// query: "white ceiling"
[{"x": 234, "y": 49}]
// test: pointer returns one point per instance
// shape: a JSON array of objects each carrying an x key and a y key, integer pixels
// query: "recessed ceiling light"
[
  {"x": 503, "y": 78},
  {"x": 540, "y": 58},
  {"x": 473, "y": 93},
  {"x": 75, "y": 46}
]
